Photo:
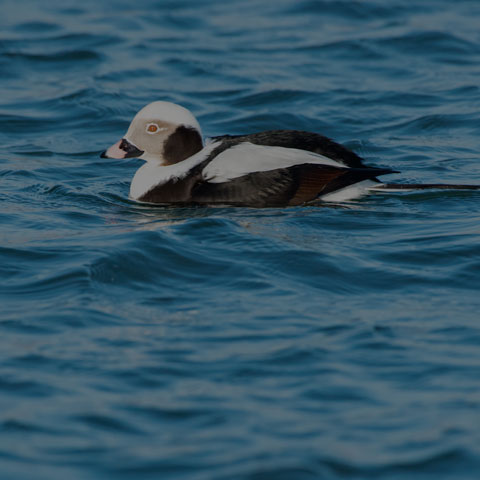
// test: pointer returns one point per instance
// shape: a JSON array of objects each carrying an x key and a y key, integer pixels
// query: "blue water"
[{"x": 335, "y": 342}]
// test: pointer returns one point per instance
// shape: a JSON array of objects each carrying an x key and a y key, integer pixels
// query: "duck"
[{"x": 274, "y": 168}]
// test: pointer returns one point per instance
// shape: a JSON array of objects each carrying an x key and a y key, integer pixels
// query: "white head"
[{"x": 161, "y": 133}]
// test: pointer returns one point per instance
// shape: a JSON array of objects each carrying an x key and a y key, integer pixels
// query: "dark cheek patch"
[{"x": 181, "y": 144}]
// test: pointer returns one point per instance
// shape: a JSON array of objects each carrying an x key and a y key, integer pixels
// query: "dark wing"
[
  {"x": 311, "y": 142},
  {"x": 295, "y": 185}
]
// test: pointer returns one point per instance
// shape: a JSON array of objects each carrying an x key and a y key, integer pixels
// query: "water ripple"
[{"x": 335, "y": 341}]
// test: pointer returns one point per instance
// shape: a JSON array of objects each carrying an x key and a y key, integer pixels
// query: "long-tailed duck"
[{"x": 267, "y": 169}]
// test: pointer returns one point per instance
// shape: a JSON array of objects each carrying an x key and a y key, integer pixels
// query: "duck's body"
[
  {"x": 243, "y": 170},
  {"x": 266, "y": 169}
]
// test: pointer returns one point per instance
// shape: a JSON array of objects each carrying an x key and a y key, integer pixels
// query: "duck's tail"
[{"x": 402, "y": 187}]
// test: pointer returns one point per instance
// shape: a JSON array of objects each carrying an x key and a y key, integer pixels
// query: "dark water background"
[{"x": 340, "y": 342}]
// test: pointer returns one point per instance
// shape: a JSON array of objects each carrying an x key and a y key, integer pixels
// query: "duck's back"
[{"x": 301, "y": 140}]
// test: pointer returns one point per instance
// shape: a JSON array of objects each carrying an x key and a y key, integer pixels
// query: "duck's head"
[{"x": 161, "y": 133}]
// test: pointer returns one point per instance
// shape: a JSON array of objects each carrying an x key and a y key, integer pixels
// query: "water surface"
[{"x": 335, "y": 342}]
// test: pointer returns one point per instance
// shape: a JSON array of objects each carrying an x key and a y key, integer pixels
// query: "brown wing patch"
[
  {"x": 312, "y": 180},
  {"x": 316, "y": 180}
]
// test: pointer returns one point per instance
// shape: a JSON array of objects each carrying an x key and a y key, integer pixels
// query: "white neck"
[
  {"x": 152, "y": 173},
  {"x": 152, "y": 160}
]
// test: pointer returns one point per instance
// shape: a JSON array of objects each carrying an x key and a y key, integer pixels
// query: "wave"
[{"x": 336, "y": 341}]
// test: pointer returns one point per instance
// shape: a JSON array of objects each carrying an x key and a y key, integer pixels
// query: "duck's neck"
[{"x": 154, "y": 174}]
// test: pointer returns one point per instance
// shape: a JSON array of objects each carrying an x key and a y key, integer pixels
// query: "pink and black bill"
[{"x": 122, "y": 149}]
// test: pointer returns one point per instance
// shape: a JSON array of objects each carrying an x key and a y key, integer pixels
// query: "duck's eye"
[{"x": 152, "y": 128}]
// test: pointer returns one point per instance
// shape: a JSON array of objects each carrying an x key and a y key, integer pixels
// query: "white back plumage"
[{"x": 247, "y": 157}]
